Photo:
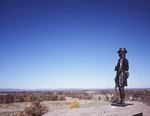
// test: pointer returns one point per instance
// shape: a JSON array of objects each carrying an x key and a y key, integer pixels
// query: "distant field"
[{"x": 11, "y": 103}]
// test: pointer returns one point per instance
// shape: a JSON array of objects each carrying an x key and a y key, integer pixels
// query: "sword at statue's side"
[{"x": 116, "y": 91}]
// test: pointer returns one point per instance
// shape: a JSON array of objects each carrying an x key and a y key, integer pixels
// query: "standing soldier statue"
[{"x": 121, "y": 74}]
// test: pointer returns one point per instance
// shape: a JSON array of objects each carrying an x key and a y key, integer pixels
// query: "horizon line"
[{"x": 70, "y": 88}]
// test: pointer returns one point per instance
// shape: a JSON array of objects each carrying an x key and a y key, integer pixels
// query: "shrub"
[
  {"x": 20, "y": 114},
  {"x": 74, "y": 104},
  {"x": 114, "y": 98},
  {"x": 146, "y": 100},
  {"x": 36, "y": 109},
  {"x": 106, "y": 98}
]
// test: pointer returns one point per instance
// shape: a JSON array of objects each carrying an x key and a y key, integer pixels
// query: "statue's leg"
[{"x": 122, "y": 94}]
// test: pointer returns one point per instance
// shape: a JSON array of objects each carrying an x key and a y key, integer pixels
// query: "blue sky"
[{"x": 72, "y": 43}]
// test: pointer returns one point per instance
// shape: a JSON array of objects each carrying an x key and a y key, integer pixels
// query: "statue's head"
[{"x": 122, "y": 52}]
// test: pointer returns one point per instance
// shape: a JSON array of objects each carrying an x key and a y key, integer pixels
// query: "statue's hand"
[
  {"x": 127, "y": 74},
  {"x": 115, "y": 68}
]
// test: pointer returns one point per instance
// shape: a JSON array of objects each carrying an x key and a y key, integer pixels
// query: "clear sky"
[{"x": 72, "y": 43}]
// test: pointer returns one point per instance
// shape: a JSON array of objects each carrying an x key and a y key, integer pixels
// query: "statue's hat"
[{"x": 122, "y": 50}]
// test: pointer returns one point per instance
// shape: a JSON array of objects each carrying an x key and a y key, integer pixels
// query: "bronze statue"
[{"x": 121, "y": 74}]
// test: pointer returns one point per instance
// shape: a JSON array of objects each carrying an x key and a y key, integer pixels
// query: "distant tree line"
[
  {"x": 41, "y": 96},
  {"x": 29, "y": 97}
]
